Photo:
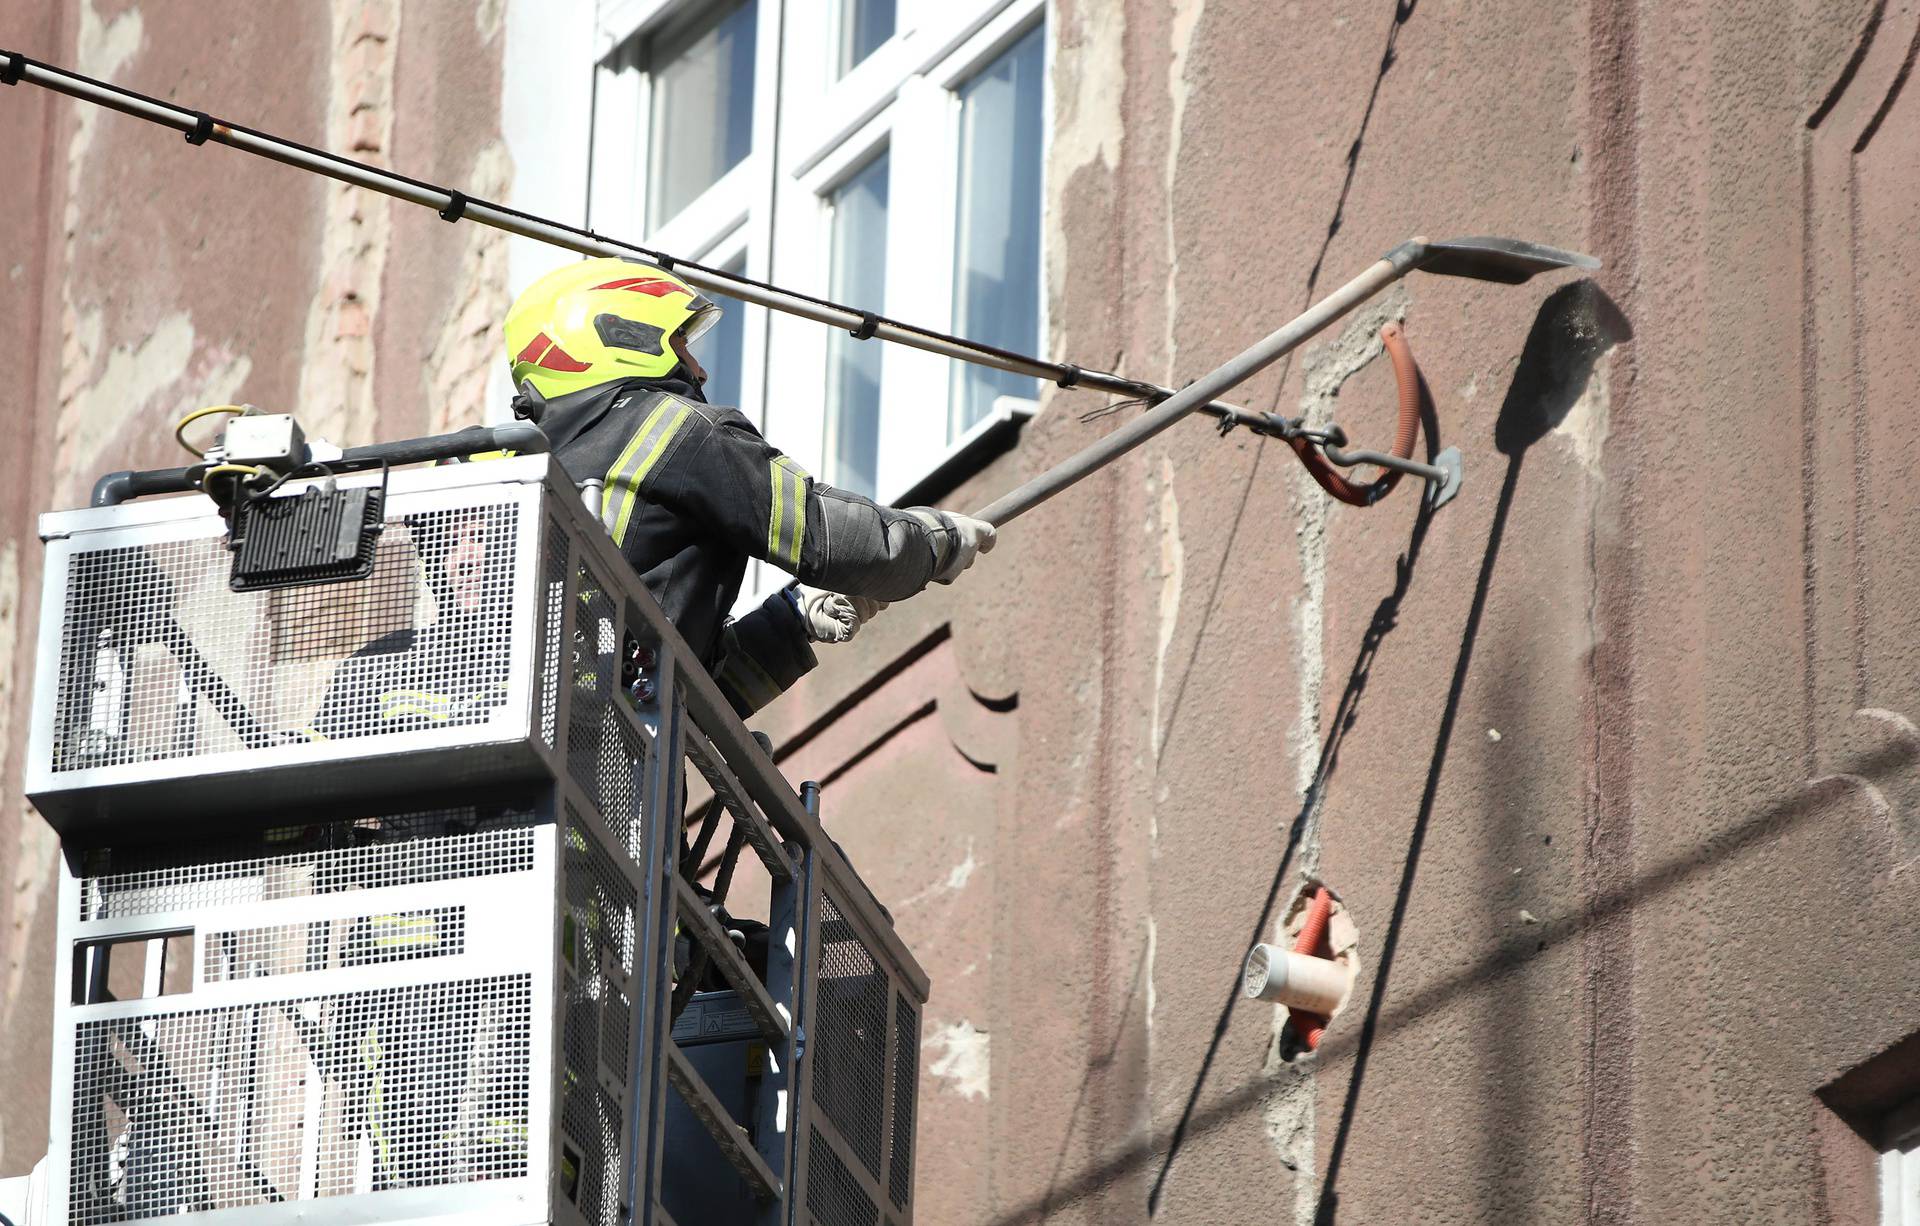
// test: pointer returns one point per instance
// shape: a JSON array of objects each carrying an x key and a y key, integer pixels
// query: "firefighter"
[{"x": 599, "y": 351}]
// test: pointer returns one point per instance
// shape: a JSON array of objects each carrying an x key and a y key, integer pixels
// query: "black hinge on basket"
[{"x": 323, "y": 534}]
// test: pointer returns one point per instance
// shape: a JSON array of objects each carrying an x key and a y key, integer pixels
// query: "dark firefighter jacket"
[{"x": 692, "y": 491}]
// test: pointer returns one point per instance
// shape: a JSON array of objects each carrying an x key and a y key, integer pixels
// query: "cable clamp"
[
  {"x": 16, "y": 64},
  {"x": 456, "y": 207},
  {"x": 868, "y": 322},
  {"x": 202, "y": 128},
  {"x": 664, "y": 262},
  {"x": 1069, "y": 375}
]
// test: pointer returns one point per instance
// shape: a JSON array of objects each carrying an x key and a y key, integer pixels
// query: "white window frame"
[
  {"x": 903, "y": 94},
  {"x": 731, "y": 218},
  {"x": 813, "y": 128},
  {"x": 1900, "y": 1167}
]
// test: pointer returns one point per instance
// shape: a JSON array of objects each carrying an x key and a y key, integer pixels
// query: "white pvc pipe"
[{"x": 1298, "y": 981}]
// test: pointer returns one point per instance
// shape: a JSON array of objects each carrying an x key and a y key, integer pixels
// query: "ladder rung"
[
  {"x": 760, "y": 835},
  {"x": 706, "y": 929},
  {"x": 728, "y": 1135}
]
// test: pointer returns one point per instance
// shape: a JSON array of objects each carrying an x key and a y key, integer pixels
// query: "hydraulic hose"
[{"x": 1406, "y": 377}]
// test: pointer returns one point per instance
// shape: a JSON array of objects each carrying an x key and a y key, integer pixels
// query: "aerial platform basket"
[{"x": 372, "y": 890}]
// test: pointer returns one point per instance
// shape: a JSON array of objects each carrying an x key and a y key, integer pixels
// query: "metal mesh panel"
[
  {"x": 906, "y": 1076},
  {"x": 850, "y": 1037},
  {"x": 834, "y": 1197},
  {"x": 605, "y": 755},
  {"x": 228, "y": 1107},
  {"x": 553, "y": 589},
  {"x": 159, "y": 660},
  {"x": 323, "y": 857},
  {"x": 322, "y": 945},
  {"x": 599, "y": 932},
  {"x": 595, "y": 670}
]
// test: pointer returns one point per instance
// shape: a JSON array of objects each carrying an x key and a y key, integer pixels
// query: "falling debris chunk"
[
  {"x": 1528, "y": 917},
  {"x": 1493, "y": 734}
]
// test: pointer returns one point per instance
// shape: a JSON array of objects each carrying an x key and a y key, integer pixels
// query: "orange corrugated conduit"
[
  {"x": 1406, "y": 377},
  {"x": 1313, "y": 935}
]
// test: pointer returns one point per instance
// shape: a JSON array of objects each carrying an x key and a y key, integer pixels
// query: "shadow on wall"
[{"x": 1572, "y": 331}]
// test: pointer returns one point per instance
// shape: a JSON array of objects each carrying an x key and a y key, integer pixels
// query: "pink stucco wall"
[{"x": 1612, "y": 761}]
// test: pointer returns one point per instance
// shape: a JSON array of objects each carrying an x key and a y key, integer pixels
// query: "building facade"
[{"x": 1612, "y": 761}]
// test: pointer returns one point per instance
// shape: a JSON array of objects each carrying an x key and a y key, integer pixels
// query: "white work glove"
[
  {"x": 971, "y": 537},
  {"x": 831, "y": 617}
]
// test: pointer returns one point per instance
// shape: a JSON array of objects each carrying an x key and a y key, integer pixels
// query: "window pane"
[
  {"x": 702, "y": 107},
  {"x": 720, "y": 348},
  {"x": 864, "y": 25},
  {"x": 996, "y": 272},
  {"x": 853, "y": 367}
]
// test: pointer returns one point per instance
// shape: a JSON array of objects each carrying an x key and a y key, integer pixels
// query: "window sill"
[{"x": 988, "y": 439}]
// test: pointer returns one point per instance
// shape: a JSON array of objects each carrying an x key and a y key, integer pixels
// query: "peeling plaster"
[
  {"x": 1173, "y": 567},
  {"x": 489, "y": 16},
  {"x": 102, "y": 50},
  {"x": 1325, "y": 369},
  {"x": 93, "y": 407},
  {"x": 1289, "y": 1111},
  {"x": 1586, "y": 423},
  {"x": 336, "y": 375},
  {"x": 461, "y": 364},
  {"x": 962, "y": 1057},
  {"x": 1153, "y": 997},
  {"x": 1088, "y": 125},
  {"x": 1186, "y": 18},
  {"x": 1089, "y": 80},
  {"x": 955, "y": 881}
]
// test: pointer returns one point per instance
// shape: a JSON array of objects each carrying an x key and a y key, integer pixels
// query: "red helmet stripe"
[
  {"x": 559, "y": 359},
  {"x": 656, "y": 287},
  {"x": 535, "y": 347}
]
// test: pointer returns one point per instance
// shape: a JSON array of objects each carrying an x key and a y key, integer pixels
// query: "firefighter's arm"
[
  {"x": 728, "y": 477},
  {"x": 762, "y": 653}
]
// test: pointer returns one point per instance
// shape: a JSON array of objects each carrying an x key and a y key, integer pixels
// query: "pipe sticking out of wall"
[{"x": 1301, "y": 982}]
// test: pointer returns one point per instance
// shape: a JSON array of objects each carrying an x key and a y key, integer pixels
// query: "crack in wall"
[{"x": 1289, "y": 1111}]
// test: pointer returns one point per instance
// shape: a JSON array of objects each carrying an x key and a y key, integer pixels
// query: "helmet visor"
[{"x": 706, "y": 313}]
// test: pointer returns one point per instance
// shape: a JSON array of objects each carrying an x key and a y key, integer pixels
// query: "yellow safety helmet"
[{"x": 599, "y": 320}]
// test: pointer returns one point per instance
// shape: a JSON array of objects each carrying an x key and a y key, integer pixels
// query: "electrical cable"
[
  {"x": 221, "y": 470},
  {"x": 457, "y": 205},
  {"x": 180, "y": 427}
]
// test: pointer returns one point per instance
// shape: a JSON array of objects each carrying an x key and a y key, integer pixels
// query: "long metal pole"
[
  {"x": 454, "y": 206},
  {"x": 1382, "y": 273}
]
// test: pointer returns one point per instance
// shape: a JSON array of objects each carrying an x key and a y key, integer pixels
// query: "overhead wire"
[{"x": 453, "y": 206}]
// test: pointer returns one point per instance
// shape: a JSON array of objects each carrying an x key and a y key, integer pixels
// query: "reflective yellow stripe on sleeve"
[
  {"x": 787, "y": 512},
  {"x": 637, "y": 459}
]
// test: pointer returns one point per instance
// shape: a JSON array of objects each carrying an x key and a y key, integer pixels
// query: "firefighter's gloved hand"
[
  {"x": 968, "y": 538},
  {"x": 831, "y": 617}
]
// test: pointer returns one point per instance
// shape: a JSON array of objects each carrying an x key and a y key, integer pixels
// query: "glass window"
[
  {"x": 702, "y": 120},
  {"x": 864, "y": 25},
  {"x": 996, "y": 270},
  {"x": 853, "y": 366},
  {"x": 720, "y": 347}
]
